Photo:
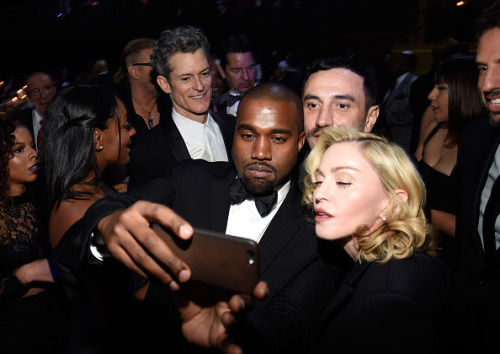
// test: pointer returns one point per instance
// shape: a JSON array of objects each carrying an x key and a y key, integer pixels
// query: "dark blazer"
[
  {"x": 482, "y": 277},
  {"x": 397, "y": 114},
  {"x": 300, "y": 283},
  {"x": 220, "y": 102},
  {"x": 156, "y": 151},
  {"x": 402, "y": 306},
  {"x": 27, "y": 118}
]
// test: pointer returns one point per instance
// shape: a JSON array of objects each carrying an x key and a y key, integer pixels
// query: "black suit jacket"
[
  {"x": 27, "y": 118},
  {"x": 476, "y": 153},
  {"x": 156, "y": 151},
  {"x": 402, "y": 306},
  {"x": 300, "y": 283},
  {"x": 220, "y": 102}
]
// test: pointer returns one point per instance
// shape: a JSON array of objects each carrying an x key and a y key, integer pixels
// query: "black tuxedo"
[
  {"x": 220, "y": 102},
  {"x": 402, "y": 306},
  {"x": 482, "y": 277},
  {"x": 156, "y": 151},
  {"x": 300, "y": 283}
]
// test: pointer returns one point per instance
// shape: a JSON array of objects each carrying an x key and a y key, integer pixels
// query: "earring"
[
  {"x": 100, "y": 148},
  {"x": 384, "y": 218}
]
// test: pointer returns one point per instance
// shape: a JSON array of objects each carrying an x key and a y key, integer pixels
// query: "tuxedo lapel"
[
  {"x": 282, "y": 228},
  {"x": 488, "y": 150},
  {"x": 219, "y": 202},
  {"x": 175, "y": 140},
  {"x": 226, "y": 124},
  {"x": 484, "y": 155}
]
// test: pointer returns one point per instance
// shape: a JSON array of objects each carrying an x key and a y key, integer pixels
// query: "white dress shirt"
[
  {"x": 233, "y": 110},
  {"x": 37, "y": 125},
  {"x": 203, "y": 140},
  {"x": 245, "y": 221}
]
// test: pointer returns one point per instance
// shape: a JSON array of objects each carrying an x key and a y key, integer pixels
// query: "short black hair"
[
  {"x": 370, "y": 86},
  {"x": 276, "y": 92},
  {"x": 236, "y": 43},
  {"x": 488, "y": 19}
]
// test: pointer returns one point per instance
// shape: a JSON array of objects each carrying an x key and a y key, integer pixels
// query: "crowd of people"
[{"x": 376, "y": 218}]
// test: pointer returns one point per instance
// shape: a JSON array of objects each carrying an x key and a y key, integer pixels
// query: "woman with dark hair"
[
  {"x": 31, "y": 315},
  {"x": 86, "y": 131},
  {"x": 455, "y": 101}
]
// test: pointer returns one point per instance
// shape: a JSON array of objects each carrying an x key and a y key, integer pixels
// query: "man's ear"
[
  {"x": 221, "y": 71},
  {"x": 132, "y": 71},
  {"x": 402, "y": 194},
  {"x": 371, "y": 118},
  {"x": 163, "y": 83},
  {"x": 302, "y": 139}
]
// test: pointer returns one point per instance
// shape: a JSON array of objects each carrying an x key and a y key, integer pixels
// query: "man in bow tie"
[
  {"x": 239, "y": 68},
  {"x": 268, "y": 137}
]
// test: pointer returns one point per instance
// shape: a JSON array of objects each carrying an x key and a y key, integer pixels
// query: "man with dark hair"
[
  {"x": 339, "y": 91},
  {"x": 239, "y": 68},
  {"x": 180, "y": 59},
  {"x": 145, "y": 103},
  {"x": 267, "y": 141},
  {"x": 478, "y": 170}
]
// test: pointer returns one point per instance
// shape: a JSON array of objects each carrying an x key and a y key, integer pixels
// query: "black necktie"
[
  {"x": 490, "y": 216},
  {"x": 232, "y": 99},
  {"x": 264, "y": 204}
]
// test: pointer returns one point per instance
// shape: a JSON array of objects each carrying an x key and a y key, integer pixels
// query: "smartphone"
[{"x": 215, "y": 258}]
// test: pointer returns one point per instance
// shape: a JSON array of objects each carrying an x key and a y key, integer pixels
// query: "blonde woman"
[{"x": 367, "y": 195}]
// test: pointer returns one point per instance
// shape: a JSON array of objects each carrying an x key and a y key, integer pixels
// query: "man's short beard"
[
  {"x": 495, "y": 122},
  {"x": 258, "y": 189}
]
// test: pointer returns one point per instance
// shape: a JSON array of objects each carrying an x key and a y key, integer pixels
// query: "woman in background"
[
  {"x": 455, "y": 101},
  {"x": 31, "y": 310}
]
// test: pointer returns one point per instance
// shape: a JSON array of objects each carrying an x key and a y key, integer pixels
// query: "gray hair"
[{"x": 183, "y": 39}]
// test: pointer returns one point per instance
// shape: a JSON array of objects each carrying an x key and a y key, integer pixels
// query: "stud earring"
[
  {"x": 100, "y": 148},
  {"x": 383, "y": 217}
]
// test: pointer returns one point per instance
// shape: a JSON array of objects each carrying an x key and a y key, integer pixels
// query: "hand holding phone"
[{"x": 215, "y": 258}]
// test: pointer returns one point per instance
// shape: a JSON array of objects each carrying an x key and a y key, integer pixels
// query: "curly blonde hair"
[{"x": 406, "y": 229}]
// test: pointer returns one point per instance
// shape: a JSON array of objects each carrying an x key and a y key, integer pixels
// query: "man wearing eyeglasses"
[{"x": 41, "y": 88}]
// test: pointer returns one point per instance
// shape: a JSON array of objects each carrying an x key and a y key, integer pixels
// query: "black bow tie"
[
  {"x": 264, "y": 204},
  {"x": 232, "y": 99}
]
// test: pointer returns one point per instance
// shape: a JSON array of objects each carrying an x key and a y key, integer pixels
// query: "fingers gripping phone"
[{"x": 216, "y": 258}]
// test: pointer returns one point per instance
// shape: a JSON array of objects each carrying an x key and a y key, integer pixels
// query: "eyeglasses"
[
  {"x": 141, "y": 64},
  {"x": 38, "y": 92}
]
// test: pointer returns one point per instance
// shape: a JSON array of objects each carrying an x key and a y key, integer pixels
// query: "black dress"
[
  {"x": 35, "y": 323},
  {"x": 105, "y": 316},
  {"x": 442, "y": 195}
]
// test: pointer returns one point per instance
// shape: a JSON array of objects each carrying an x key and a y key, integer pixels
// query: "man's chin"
[
  {"x": 495, "y": 119},
  {"x": 312, "y": 140},
  {"x": 258, "y": 187}
]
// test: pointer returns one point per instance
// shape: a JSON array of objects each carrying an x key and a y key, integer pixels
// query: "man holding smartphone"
[{"x": 252, "y": 197}]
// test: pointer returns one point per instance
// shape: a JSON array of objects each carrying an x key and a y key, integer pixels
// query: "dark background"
[{"x": 34, "y": 38}]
